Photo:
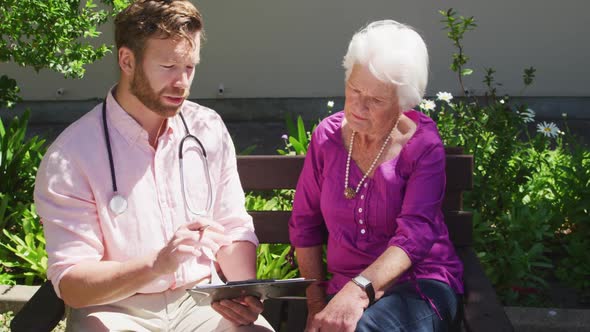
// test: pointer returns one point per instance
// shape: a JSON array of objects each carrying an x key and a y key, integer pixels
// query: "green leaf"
[
  {"x": 302, "y": 134},
  {"x": 466, "y": 72},
  {"x": 296, "y": 145}
]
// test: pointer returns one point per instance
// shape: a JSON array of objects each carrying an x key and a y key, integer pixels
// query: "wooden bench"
[{"x": 481, "y": 310}]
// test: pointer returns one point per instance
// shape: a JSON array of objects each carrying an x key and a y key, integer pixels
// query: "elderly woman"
[{"x": 373, "y": 185}]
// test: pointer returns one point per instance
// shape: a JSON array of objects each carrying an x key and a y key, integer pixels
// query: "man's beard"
[{"x": 141, "y": 89}]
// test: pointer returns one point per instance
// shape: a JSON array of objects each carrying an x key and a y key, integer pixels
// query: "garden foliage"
[
  {"x": 38, "y": 34},
  {"x": 531, "y": 180}
]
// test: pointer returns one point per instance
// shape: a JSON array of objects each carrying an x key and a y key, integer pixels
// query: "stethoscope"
[{"x": 118, "y": 203}]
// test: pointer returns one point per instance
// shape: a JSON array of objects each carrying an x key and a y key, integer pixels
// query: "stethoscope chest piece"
[{"x": 118, "y": 204}]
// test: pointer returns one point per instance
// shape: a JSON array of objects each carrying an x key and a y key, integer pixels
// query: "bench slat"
[
  {"x": 272, "y": 226},
  {"x": 459, "y": 171},
  {"x": 260, "y": 172},
  {"x": 453, "y": 201}
]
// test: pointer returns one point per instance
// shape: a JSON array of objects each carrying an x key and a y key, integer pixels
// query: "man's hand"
[
  {"x": 187, "y": 243},
  {"x": 240, "y": 311},
  {"x": 343, "y": 312}
]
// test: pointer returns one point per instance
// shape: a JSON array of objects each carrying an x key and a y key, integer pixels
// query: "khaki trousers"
[{"x": 172, "y": 310}]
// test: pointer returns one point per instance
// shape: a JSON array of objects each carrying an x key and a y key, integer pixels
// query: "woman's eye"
[
  {"x": 376, "y": 102},
  {"x": 167, "y": 66}
]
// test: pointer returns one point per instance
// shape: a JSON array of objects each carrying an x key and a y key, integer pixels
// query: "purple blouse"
[{"x": 399, "y": 206}]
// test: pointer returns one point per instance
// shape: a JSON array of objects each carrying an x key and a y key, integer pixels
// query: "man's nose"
[{"x": 183, "y": 81}]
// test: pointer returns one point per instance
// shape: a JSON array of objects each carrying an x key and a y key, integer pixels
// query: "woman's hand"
[
  {"x": 343, "y": 312},
  {"x": 316, "y": 301},
  {"x": 240, "y": 311}
]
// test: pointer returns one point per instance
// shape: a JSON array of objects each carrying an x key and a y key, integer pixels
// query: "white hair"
[{"x": 394, "y": 53}]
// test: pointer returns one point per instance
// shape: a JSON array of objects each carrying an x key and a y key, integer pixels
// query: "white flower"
[
  {"x": 501, "y": 101},
  {"x": 330, "y": 103},
  {"x": 446, "y": 96},
  {"x": 528, "y": 115},
  {"x": 564, "y": 115},
  {"x": 427, "y": 105},
  {"x": 548, "y": 129}
]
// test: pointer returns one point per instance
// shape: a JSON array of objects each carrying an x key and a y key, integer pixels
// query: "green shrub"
[
  {"x": 22, "y": 254},
  {"x": 531, "y": 189}
]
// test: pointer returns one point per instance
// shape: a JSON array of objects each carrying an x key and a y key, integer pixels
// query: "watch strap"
[{"x": 367, "y": 287}]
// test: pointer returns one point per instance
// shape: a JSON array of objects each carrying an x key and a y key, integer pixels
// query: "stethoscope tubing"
[{"x": 118, "y": 204}]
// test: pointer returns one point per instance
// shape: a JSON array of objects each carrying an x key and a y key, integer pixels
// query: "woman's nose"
[{"x": 363, "y": 104}]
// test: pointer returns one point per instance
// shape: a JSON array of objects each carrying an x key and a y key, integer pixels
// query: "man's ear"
[{"x": 127, "y": 60}]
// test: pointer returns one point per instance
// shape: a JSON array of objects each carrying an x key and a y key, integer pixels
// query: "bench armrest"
[
  {"x": 482, "y": 309},
  {"x": 41, "y": 313}
]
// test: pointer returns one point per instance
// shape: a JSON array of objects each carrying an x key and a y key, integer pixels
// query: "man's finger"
[
  {"x": 245, "y": 312},
  {"x": 235, "y": 312},
  {"x": 198, "y": 225},
  {"x": 254, "y": 303}
]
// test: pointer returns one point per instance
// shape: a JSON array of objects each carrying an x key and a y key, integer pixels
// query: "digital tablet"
[{"x": 263, "y": 289}]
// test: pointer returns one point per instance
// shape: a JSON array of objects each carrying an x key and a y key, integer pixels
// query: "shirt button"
[
  {"x": 363, "y": 231},
  {"x": 362, "y": 196},
  {"x": 361, "y": 221},
  {"x": 360, "y": 210}
]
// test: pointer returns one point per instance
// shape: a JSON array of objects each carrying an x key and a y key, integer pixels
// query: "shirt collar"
[{"x": 130, "y": 129}]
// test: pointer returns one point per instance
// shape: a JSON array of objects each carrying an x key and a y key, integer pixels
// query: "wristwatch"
[{"x": 367, "y": 286}]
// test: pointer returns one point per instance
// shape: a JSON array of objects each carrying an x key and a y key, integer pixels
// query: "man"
[{"x": 127, "y": 222}]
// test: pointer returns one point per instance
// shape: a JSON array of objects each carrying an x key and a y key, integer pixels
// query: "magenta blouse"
[{"x": 399, "y": 206}]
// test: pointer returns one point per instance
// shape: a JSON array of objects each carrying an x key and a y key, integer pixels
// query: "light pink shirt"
[{"x": 73, "y": 189}]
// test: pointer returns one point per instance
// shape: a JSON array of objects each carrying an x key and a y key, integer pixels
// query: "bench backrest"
[{"x": 261, "y": 173}]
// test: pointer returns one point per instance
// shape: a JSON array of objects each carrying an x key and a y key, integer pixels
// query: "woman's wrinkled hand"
[{"x": 342, "y": 313}]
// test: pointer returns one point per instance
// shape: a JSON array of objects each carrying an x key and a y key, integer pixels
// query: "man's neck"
[{"x": 147, "y": 119}]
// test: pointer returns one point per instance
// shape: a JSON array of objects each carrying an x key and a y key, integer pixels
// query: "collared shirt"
[
  {"x": 400, "y": 205},
  {"x": 73, "y": 189}
]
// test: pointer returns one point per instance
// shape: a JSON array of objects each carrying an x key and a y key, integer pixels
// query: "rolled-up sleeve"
[
  {"x": 65, "y": 203},
  {"x": 416, "y": 224},
  {"x": 306, "y": 225},
  {"x": 229, "y": 208}
]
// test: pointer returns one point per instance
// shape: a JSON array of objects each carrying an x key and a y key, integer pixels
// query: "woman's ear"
[{"x": 126, "y": 60}]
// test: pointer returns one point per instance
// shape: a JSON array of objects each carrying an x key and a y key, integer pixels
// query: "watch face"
[{"x": 362, "y": 281}]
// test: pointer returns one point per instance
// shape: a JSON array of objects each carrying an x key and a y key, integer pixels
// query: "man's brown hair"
[{"x": 144, "y": 19}]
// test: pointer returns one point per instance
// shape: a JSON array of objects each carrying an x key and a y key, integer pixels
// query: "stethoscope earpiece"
[{"x": 118, "y": 204}]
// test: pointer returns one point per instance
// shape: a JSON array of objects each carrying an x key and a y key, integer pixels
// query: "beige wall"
[{"x": 280, "y": 48}]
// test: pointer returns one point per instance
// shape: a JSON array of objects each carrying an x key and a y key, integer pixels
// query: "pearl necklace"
[{"x": 350, "y": 193}]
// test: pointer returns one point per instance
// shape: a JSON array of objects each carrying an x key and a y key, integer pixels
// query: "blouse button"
[
  {"x": 362, "y": 196},
  {"x": 366, "y": 185},
  {"x": 361, "y": 221},
  {"x": 360, "y": 210},
  {"x": 363, "y": 231}
]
